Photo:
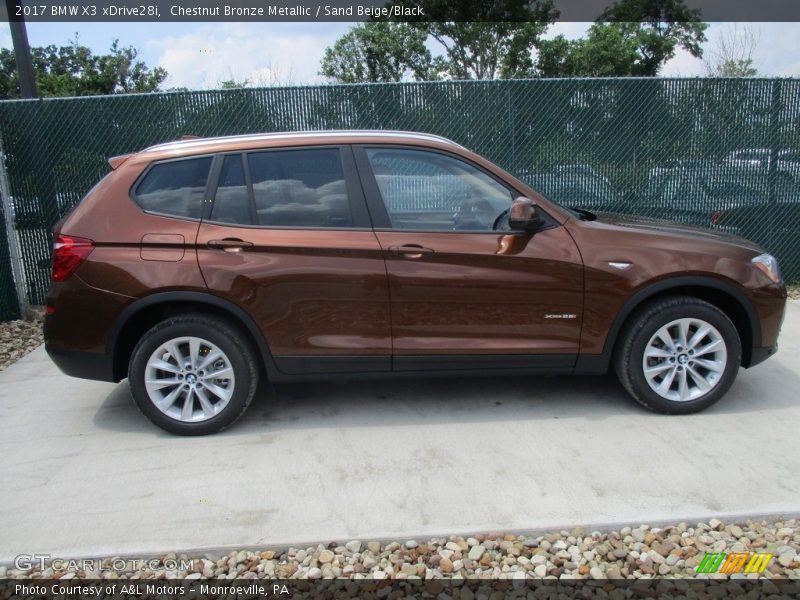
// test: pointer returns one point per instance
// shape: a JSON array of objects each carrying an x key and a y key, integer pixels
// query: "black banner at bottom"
[{"x": 394, "y": 589}]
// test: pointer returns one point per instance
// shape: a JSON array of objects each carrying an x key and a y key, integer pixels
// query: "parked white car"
[{"x": 787, "y": 161}]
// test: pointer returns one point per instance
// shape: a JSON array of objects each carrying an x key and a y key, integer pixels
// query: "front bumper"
[{"x": 770, "y": 307}]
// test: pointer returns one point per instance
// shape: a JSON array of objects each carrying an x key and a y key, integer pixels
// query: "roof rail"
[{"x": 194, "y": 141}]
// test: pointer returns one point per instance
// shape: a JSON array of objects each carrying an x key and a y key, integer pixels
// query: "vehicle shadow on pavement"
[{"x": 419, "y": 402}]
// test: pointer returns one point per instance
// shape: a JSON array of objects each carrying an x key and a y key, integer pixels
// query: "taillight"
[{"x": 69, "y": 252}]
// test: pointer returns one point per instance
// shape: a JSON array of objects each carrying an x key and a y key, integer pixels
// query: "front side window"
[
  {"x": 175, "y": 188},
  {"x": 429, "y": 191},
  {"x": 299, "y": 188}
]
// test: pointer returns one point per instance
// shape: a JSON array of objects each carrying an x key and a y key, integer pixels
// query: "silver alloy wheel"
[
  {"x": 685, "y": 359},
  {"x": 189, "y": 379}
]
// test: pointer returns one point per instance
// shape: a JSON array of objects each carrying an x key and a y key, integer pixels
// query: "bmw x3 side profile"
[{"x": 197, "y": 268}]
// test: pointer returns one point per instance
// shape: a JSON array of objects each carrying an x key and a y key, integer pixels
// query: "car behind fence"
[{"x": 717, "y": 153}]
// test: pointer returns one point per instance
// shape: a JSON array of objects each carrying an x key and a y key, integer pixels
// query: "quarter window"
[
  {"x": 300, "y": 188},
  {"x": 175, "y": 188},
  {"x": 433, "y": 192}
]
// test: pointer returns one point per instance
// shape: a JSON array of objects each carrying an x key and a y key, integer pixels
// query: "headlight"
[{"x": 768, "y": 265}]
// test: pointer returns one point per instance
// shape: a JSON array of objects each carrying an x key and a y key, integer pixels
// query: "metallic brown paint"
[
  {"x": 658, "y": 252},
  {"x": 311, "y": 292},
  {"x": 473, "y": 295}
]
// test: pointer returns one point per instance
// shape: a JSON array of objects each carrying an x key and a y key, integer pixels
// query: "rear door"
[
  {"x": 288, "y": 239},
  {"x": 466, "y": 292}
]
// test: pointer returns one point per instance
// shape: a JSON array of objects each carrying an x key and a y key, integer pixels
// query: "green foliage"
[
  {"x": 631, "y": 38},
  {"x": 232, "y": 84},
  {"x": 499, "y": 46},
  {"x": 487, "y": 50},
  {"x": 736, "y": 68},
  {"x": 663, "y": 26},
  {"x": 74, "y": 70},
  {"x": 379, "y": 51},
  {"x": 487, "y": 40},
  {"x": 731, "y": 55}
]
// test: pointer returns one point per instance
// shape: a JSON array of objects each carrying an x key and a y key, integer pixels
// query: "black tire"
[
  {"x": 225, "y": 337},
  {"x": 643, "y": 325}
]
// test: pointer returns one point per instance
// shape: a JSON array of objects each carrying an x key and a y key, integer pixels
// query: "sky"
[{"x": 202, "y": 55}]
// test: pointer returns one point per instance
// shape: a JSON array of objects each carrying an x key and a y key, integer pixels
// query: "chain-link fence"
[
  {"x": 719, "y": 153},
  {"x": 9, "y": 307}
]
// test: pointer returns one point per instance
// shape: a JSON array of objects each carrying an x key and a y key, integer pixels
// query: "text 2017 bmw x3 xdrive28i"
[{"x": 196, "y": 267}]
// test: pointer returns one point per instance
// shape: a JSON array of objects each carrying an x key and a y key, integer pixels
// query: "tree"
[
  {"x": 489, "y": 40},
  {"x": 479, "y": 39},
  {"x": 379, "y": 51},
  {"x": 607, "y": 51},
  {"x": 632, "y": 37},
  {"x": 74, "y": 70},
  {"x": 732, "y": 53},
  {"x": 232, "y": 84}
]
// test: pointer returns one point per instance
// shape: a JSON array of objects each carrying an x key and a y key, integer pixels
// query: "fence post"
[
  {"x": 772, "y": 162},
  {"x": 512, "y": 126},
  {"x": 11, "y": 236}
]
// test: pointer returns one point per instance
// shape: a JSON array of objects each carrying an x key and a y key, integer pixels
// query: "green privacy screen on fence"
[
  {"x": 8, "y": 297},
  {"x": 719, "y": 153}
]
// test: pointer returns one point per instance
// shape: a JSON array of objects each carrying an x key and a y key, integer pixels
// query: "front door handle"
[
  {"x": 229, "y": 244},
  {"x": 410, "y": 251}
]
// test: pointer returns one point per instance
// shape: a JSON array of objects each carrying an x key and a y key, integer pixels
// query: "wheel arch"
[
  {"x": 142, "y": 314},
  {"x": 721, "y": 294}
]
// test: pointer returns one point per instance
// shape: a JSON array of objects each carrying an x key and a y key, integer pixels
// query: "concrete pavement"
[{"x": 84, "y": 474}]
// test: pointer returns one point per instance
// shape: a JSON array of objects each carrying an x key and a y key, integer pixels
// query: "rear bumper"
[
  {"x": 86, "y": 365},
  {"x": 759, "y": 355},
  {"x": 77, "y": 326}
]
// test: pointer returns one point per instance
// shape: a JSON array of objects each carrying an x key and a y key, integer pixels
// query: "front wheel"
[
  {"x": 678, "y": 355},
  {"x": 193, "y": 375}
]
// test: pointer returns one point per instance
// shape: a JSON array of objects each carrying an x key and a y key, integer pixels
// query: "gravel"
[
  {"x": 672, "y": 551},
  {"x": 17, "y": 338},
  {"x": 793, "y": 290}
]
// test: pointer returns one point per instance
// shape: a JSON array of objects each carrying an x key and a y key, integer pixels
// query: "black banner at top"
[{"x": 100, "y": 11}]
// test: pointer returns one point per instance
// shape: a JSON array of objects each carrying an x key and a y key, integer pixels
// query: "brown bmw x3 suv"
[{"x": 198, "y": 267}]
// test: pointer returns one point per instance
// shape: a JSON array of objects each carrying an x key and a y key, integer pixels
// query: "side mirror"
[{"x": 523, "y": 215}]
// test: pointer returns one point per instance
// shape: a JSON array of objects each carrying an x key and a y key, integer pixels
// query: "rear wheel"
[
  {"x": 193, "y": 375},
  {"x": 678, "y": 355}
]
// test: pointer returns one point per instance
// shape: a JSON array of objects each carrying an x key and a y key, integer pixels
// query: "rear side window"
[
  {"x": 231, "y": 203},
  {"x": 300, "y": 188},
  {"x": 175, "y": 188}
]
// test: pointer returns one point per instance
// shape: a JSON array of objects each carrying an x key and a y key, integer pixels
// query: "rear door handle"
[
  {"x": 229, "y": 244},
  {"x": 411, "y": 251}
]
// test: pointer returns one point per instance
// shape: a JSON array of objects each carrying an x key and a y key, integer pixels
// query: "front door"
[
  {"x": 289, "y": 240},
  {"x": 463, "y": 286}
]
